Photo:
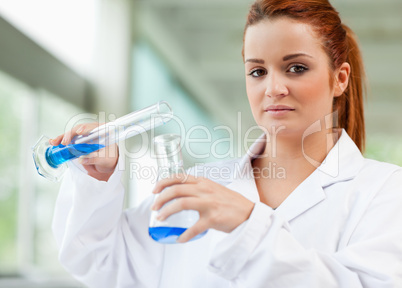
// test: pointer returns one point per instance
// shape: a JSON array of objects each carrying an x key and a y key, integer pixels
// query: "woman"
[{"x": 334, "y": 219}]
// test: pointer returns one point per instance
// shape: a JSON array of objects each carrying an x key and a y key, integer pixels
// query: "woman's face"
[{"x": 287, "y": 75}]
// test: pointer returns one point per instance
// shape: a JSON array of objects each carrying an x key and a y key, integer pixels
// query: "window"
[
  {"x": 66, "y": 28},
  {"x": 27, "y": 200},
  {"x": 152, "y": 82},
  {"x": 38, "y": 94}
]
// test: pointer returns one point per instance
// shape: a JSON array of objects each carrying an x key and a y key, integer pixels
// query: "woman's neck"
[
  {"x": 292, "y": 151},
  {"x": 290, "y": 159}
]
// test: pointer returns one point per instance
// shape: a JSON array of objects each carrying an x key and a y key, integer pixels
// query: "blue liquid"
[
  {"x": 169, "y": 235},
  {"x": 57, "y": 155}
]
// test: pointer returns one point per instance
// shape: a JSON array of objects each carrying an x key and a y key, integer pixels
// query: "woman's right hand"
[{"x": 99, "y": 164}]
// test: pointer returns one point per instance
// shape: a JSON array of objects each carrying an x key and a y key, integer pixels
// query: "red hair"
[{"x": 339, "y": 43}]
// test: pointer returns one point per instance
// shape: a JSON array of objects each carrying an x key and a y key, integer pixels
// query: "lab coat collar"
[{"x": 341, "y": 164}]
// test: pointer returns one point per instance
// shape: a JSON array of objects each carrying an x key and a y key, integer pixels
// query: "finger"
[
  {"x": 82, "y": 129},
  {"x": 90, "y": 159},
  {"x": 87, "y": 161},
  {"x": 91, "y": 155},
  {"x": 169, "y": 181},
  {"x": 198, "y": 228},
  {"x": 70, "y": 135},
  {"x": 103, "y": 163},
  {"x": 107, "y": 152},
  {"x": 56, "y": 141},
  {"x": 173, "y": 179},
  {"x": 177, "y": 205},
  {"x": 172, "y": 192},
  {"x": 85, "y": 129}
]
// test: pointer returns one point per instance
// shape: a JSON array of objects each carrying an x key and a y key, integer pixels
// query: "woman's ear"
[{"x": 341, "y": 79}]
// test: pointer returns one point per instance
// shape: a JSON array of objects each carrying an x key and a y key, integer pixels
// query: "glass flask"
[
  {"x": 50, "y": 161},
  {"x": 170, "y": 161}
]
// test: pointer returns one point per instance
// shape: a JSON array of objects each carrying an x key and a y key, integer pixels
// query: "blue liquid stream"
[
  {"x": 57, "y": 155},
  {"x": 169, "y": 235}
]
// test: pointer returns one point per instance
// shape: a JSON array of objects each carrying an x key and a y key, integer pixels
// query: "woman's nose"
[{"x": 275, "y": 86}]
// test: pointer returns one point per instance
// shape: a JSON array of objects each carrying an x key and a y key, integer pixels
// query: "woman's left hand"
[{"x": 219, "y": 207}]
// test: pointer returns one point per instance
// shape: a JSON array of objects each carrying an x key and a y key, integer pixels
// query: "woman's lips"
[{"x": 278, "y": 110}]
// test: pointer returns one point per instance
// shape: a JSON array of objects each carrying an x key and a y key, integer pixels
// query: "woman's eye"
[
  {"x": 257, "y": 73},
  {"x": 298, "y": 69}
]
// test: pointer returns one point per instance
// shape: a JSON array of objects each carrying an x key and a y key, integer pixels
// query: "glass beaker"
[
  {"x": 50, "y": 160},
  {"x": 170, "y": 161}
]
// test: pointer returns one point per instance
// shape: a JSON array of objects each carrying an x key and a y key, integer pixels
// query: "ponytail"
[{"x": 350, "y": 104}]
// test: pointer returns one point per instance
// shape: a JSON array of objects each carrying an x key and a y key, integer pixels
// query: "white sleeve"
[
  {"x": 100, "y": 245},
  {"x": 262, "y": 252}
]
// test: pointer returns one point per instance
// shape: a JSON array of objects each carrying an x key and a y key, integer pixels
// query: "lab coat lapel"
[
  {"x": 245, "y": 186},
  {"x": 341, "y": 164},
  {"x": 305, "y": 196},
  {"x": 243, "y": 181},
  {"x": 308, "y": 194}
]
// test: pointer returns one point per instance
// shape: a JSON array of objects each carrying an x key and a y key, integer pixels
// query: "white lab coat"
[{"x": 341, "y": 227}]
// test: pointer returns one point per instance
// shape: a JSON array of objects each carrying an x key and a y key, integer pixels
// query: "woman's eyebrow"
[
  {"x": 259, "y": 61},
  {"x": 285, "y": 58},
  {"x": 291, "y": 56}
]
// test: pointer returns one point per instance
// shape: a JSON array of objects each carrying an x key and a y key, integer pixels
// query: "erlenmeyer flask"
[{"x": 170, "y": 161}]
